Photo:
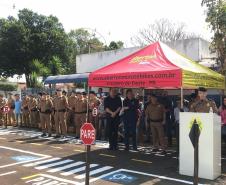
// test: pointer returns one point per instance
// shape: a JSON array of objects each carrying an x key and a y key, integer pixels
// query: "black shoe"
[
  {"x": 43, "y": 135},
  {"x": 135, "y": 149},
  {"x": 126, "y": 148},
  {"x": 49, "y": 135},
  {"x": 155, "y": 150},
  {"x": 163, "y": 152},
  {"x": 115, "y": 148},
  {"x": 57, "y": 136}
]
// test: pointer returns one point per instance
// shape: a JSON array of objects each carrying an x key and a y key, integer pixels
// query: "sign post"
[{"x": 87, "y": 135}]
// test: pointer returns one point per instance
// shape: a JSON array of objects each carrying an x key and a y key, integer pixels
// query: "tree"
[
  {"x": 216, "y": 17},
  {"x": 31, "y": 37},
  {"x": 115, "y": 45},
  {"x": 85, "y": 42},
  {"x": 161, "y": 30}
]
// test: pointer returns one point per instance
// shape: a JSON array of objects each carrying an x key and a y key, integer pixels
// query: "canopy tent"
[
  {"x": 73, "y": 78},
  {"x": 156, "y": 66}
]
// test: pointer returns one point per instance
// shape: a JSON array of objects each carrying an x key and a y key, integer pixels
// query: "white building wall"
[{"x": 91, "y": 62}]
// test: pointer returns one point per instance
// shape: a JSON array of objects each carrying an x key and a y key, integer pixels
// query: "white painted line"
[
  {"x": 8, "y": 173},
  {"x": 94, "y": 172},
  {"x": 77, "y": 170},
  {"x": 53, "y": 164},
  {"x": 24, "y": 151},
  {"x": 158, "y": 176},
  {"x": 41, "y": 162},
  {"x": 59, "y": 179},
  {"x": 102, "y": 176},
  {"x": 65, "y": 167},
  {"x": 160, "y": 155}
]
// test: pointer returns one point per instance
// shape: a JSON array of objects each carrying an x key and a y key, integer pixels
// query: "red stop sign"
[{"x": 87, "y": 134}]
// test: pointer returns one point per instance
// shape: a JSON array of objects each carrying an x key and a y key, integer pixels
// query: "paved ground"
[{"x": 26, "y": 158}]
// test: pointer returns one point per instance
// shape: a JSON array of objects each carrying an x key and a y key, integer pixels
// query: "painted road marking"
[
  {"x": 42, "y": 156},
  {"x": 48, "y": 179},
  {"x": 19, "y": 141},
  {"x": 56, "y": 147},
  {"x": 77, "y": 170},
  {"x": 8, "y": 173},
  {"x": 158, "y": 176},
  {"x": 29, "y": 177},
  {"x": 94, "y": 172},
  {"x": 37, "y": 144},
  {"x": 79, "y": 150},
  {"x": 66, "y": 167},
  {"x": 106, "y": 155},
  {"x": 42, "y": 162},
  {"x": 138, "y": 160},
  {"x": 53, "y": 164}
]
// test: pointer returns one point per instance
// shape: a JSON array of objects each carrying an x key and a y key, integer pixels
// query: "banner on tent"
[
  {"x": 158, "y": 79},
  {"x": 191, "y": 79}
]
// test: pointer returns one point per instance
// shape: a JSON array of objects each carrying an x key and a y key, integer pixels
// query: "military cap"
[
  {"x": 92, "y": 92},
  {"x": 202, "y": 89}
]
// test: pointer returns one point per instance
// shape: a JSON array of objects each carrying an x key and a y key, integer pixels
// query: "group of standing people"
[{"x": 106, "y": 114}]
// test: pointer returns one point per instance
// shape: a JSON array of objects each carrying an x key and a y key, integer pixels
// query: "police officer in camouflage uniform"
[
  {"x": 71, "y": 109},
  {"x": 60, "y": 105},
  {"x": 25, "y": 111},
  {"x": 45, "y": 107},
  {"x": 32, "y": 106},
  {"x": 2, "y": 114},
  {"x": 94, "y": 103},
  {"x": 80, "y": 108},
  {"x": 202, "y": 104}
]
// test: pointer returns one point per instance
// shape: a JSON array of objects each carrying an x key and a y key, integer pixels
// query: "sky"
[{"x": 115, "y": 19}]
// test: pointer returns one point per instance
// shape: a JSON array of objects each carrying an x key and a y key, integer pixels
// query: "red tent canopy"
[{"x": 146, "y": 68}]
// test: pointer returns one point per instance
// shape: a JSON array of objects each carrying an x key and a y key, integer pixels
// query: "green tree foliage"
[
  {"x": 115, "y": 45},
  {"x": 85, "y": 42},
  {"x": 55, "y": 66},
  {"x": 8, "y": 87},
  {"x": 30, "y": 42},
  {"x": 216, "y": 17}
]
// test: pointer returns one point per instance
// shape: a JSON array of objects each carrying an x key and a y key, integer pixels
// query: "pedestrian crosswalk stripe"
[
  {"x": 77, "y": 170},
  {"x": 53, "y": 164},
  {"x": 41, "y": 162},
  {"x": 66, "y": 167},
  {"x": 94, "y": 172}
]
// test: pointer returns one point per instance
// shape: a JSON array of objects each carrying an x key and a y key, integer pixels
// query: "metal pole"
[
  {"x": 88, "y": 146},
  {"x": 87, "y": 163},
  {"x": 182, "y": 97},
  {"x": 196, "y": 155}
]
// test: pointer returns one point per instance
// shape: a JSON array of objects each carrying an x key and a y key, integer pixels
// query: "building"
[{"x": 197, "y": 49}]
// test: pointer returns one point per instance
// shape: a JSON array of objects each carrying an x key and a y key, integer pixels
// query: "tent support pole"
[
  {"x": 87, "y": 106},
  {"x": 182, "y": 97}
]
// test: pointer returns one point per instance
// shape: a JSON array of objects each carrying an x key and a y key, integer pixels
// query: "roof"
[
  {"x": 156, "y": 66},
  {"x": 72, "y": 78}
]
